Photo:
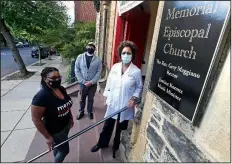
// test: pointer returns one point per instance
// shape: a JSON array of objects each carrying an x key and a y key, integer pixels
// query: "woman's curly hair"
[
  {"x": 44, "y": 74},
  {"x": 129, "y": 44}
]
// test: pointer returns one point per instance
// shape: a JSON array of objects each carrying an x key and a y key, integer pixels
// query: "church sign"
[{"x": 188, "y": 41}]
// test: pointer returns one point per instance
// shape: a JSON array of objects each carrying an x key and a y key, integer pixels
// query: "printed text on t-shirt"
[{"x": 64, "y": 109}]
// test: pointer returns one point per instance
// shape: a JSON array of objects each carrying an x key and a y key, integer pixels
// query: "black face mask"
[
  {"x": 55, "y": 84},
  {"x": 90, "y": 50}
]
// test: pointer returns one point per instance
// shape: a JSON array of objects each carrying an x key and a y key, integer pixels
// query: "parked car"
[
  {"x": 19, "y": 45},
  {"x": 26, "y": 44},
  {"x": 44, "y": 51}
]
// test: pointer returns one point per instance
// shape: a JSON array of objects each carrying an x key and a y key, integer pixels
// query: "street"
[{"x": 8, "y": 64}]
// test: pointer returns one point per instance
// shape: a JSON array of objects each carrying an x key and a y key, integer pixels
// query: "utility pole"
[{"x": 39, "y": 57}]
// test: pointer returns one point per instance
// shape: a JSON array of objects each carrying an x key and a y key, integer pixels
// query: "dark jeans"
[
  {"x": 90, "y": 92},
  {"x": 107, "y": 131},
  {"x": 61, "y": 152}
]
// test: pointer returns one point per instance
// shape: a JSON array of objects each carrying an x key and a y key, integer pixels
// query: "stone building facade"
[
  {"x": 84, "y": 11},
  {"x": 159, "y": 133}
]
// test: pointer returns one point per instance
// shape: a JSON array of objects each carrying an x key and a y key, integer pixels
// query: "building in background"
[{"x": 85, "y": 11}]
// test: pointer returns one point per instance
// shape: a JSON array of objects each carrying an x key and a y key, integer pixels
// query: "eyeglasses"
[
  {"x": 128, "y": 53},
  {"x": 55, "y": 78}
]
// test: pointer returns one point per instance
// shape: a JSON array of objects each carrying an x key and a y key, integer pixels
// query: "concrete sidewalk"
[{"x": 17, "y": 129}]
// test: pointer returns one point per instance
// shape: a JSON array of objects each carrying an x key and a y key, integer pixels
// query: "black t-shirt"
[
  {"x": 88, "y": 60},
  {"x": 57, "y": 113}
]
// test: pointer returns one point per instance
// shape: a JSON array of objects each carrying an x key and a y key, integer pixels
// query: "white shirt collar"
[{"x": 89, "y": 54}]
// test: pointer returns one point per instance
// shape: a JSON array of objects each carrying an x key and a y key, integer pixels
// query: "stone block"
[
  {"x": 153, "y": 153},
  {"x": 167, "y": 156},
  {"x": 125, "y": 142},
  {"x": 153, "y": 158},
  {"x": 149, "y": 155},
  {"x": 122, "y": 152},
  {"x": 155, "y": 123},
  {"x": 184, "y": 148},
  {"x": 155, "y": 140},
  {"x": 138, "y": 116},
  {"x": 156, "y": 115},
  {"x": 174, "y": 116}
]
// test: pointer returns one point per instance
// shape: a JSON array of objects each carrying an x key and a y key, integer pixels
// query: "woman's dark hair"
[
  {"x": 129, "y": 44},
  {"x": 44, "y": 74}
]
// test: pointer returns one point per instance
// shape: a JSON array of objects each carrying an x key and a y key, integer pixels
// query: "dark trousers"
[
  {"x": 90, "y": 92},
  {"x": 107, "y": 131},
  {"x": 61, "y": 152}
]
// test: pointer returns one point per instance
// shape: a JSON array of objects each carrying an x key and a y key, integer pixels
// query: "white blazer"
[{"x": 120, "y": 88}]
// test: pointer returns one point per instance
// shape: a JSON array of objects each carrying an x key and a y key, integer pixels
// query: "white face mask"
[{"x": 126, "y": 58}]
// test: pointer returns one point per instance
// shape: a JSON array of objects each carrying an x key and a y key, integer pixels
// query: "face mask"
[
  {"x": 126, "y": 59},
  {"x": 55, "y": 84},
  {"x": 90, "y": 50}
]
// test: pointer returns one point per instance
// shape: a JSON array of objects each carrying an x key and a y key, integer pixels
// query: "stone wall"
[
  {"x": 169, "y": 137},
  {"x": 126, "y": 145},
  {"x": 110, "y": 31},
  {"x": 97, "y": 32},
  {"x": 172, "y": 138},
  {"x": 110, "y": 25}
]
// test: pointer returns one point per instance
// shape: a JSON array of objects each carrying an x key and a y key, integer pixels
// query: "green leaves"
[
  {"x": 47, "y": 22},
  {"x": 75, "y": 44},
  {"x": 33, "y": 17}
]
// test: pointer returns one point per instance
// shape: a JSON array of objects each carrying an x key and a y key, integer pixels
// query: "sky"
[{"x": 70, "y": 10}]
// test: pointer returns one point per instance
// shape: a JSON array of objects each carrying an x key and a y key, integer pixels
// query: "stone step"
[{"x": 73, "y": 90}]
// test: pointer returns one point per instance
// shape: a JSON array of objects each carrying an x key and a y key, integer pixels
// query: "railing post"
[{"x": 72, "y": 72}]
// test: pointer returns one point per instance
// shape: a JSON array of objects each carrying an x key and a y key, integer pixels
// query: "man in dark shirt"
[
  {"x": 88, "y": 59},
  {"x": 88, "y": 71}
]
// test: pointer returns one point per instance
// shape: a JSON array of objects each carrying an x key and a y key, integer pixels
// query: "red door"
[
  {"x": 137, "y": 23},
  {"x": 119, "y": 30}
]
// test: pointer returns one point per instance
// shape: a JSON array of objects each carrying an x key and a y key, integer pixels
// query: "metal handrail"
[{"x": 83, "y": 131}]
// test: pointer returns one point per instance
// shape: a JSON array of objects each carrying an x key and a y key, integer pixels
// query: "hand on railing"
[
  {"x": 132, "y": 102},
  {"x": 50, "y": 142}
]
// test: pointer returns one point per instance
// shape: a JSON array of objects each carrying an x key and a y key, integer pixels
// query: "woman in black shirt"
[{"x": 51, "y": 112}]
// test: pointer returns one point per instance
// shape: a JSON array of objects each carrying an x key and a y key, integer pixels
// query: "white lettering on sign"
[{"x": 198, "y": 10}]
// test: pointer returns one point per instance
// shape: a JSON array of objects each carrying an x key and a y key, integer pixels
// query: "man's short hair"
[{"x": 91, "y": 44}]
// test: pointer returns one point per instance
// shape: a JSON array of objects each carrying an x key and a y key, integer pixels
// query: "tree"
[
  {"x": 10, "y": 41},
  {"x": 71, "y": 41},
  {"x": 30, "y": 18}
]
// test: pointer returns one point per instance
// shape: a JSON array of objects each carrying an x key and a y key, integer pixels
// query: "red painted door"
[
  {"x": 119, "y": 31},
  {"x": 137, "y": 23}
]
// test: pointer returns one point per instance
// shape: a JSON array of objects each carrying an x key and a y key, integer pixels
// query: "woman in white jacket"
[{"x": 124, "y": 85}]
